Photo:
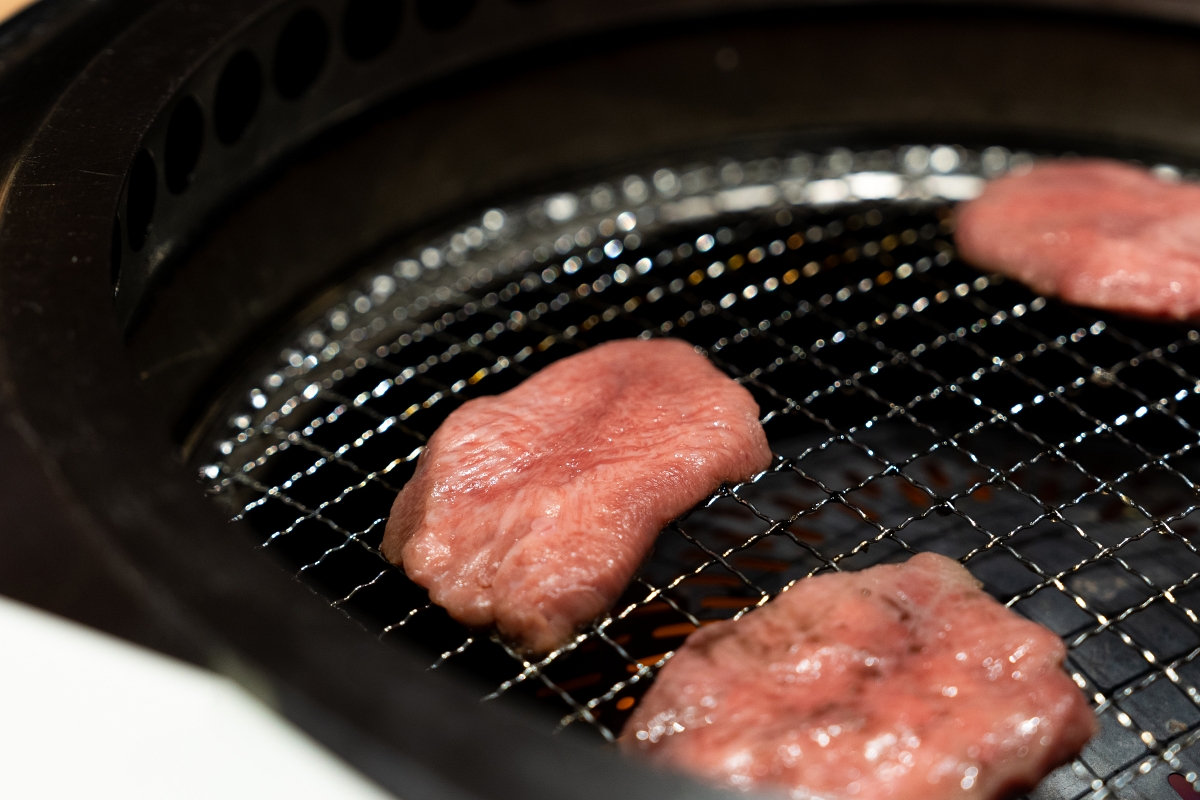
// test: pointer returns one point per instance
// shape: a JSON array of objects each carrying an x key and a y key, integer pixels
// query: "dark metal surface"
[
  {"x": 99, "y": 479},
  {"x": 912, "y": 403},
  {"x": 488, "y": 135}
]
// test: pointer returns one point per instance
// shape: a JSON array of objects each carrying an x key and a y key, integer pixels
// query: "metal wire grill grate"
[{"x": 912, "y": 403}]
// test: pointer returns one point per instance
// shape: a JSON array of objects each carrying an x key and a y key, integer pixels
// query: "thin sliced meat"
[
  {"x": 899, "y": 682},
  {"x": 1093, "y": 232},
  {"x": 533, "y": 509}
]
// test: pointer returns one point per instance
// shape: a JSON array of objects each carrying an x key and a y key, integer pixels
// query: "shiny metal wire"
[{"x": 913, "y": 404}]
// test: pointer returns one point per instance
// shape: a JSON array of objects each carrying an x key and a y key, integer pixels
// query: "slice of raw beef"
[
  {"x": 532, "y": 509},
  {"x": 1093, "y": 232},
  {"x": 900, "y": 681}
]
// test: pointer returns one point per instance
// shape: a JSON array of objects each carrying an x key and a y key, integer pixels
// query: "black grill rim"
[{"x": 81, "y": 444}]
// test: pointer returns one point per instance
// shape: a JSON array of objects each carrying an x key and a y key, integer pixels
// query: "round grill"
[
  {"x": 912, "y": 403},
  {"x": 189, "y": 187}
]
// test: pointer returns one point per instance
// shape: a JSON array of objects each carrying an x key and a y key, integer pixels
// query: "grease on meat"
[
  {"x": 532, "y": 510},
  {"x": 903, "y": 682},
  {"x": 1093, "y": 232}
]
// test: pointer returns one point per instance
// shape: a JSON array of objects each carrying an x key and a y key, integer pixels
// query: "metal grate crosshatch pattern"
[{"x": 912, "y": 403}]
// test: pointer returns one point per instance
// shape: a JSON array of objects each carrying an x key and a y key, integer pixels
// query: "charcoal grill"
[
  {"x": 912, "y": 403},
  {"x": 276, "y": 243}
]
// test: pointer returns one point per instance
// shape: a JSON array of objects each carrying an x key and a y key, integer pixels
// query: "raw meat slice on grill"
[
  {"x": 1094, "y": 232},
  {"x": 532, "y": 509},
  {"x": 900, "y": 681}
]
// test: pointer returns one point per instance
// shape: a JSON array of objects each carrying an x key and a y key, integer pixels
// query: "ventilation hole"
[
  {"x": 238, "y": 91},
  {"x": 369, "y": 26},
  {"x": 181, "y": 150},
  {"x": 114, "y": 262},
  {"x": 300, "y": 53},
  {"x": 139, "y": 201},
  {"x": 442, "y": 15}
]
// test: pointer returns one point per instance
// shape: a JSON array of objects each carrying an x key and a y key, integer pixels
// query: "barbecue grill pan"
[{"x": 196, "y": 195}]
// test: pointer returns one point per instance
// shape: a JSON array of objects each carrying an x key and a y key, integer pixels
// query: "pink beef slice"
[
  {"x": 1093, "y": 232},
  {"x": 900, "y": 681},
  {"x": 533, "y": 509}
]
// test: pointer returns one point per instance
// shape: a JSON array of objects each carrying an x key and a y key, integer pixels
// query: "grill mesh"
[{"x": 912, "y": 403}]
